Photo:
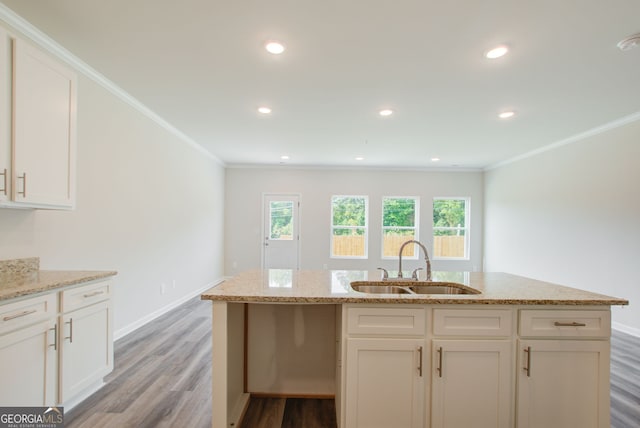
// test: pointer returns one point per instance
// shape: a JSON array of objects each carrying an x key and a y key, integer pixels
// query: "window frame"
[
  {"x": 416, "y": 227},
  {"x": 365, "y": 227},
  {"x": 466, "y": 228}
]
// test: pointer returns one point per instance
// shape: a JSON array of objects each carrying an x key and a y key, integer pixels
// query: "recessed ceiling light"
[
  {"x": 264, "y": 110},
  {"x": 359, "y": 158},
  {"x": 274, "y": 47},
  {"x": 507, "y": 114},
  {"x": 385, "y": 112},
  {"x": 284, "y": 157},
  {"x": 435, "y": 159},
  {"x": 497, "y": 52}
]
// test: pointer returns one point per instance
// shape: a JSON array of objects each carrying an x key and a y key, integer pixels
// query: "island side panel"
[{"x": 229, "y": 400}]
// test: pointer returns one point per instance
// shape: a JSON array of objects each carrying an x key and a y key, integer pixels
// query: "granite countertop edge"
[
  {"x": 318, "y": 287},
  {"x": 45, "y": 280},
  {"x": 476, "y": 300}
]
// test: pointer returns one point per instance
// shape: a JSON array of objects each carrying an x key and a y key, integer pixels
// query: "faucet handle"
[
  {"x": 385, "y": 273},
  {"x": 414, "y": 274}
]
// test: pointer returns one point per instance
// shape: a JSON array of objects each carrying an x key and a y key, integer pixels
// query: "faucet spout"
[{"x": 426, "y": 258}]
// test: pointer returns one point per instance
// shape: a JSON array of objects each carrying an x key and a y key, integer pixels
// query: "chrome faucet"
[{"x": 426, "y": 259}]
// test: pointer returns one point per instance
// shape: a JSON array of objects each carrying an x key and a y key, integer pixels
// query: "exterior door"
[{"x": 281, "y": 231}]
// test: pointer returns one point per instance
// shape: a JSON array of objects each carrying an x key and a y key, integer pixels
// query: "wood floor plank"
[
  {"x": 625, "y": 380},
  {"x": 162, "y": 378},
  {"x": 264, "y": 413},
  {"x": 309, "y": 413}
]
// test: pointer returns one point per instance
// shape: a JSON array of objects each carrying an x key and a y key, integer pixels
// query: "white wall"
[
  {"x": 571, "y": 215},
  {"x": 149, "y": 205},
  {"x": 243, "y": 212}
]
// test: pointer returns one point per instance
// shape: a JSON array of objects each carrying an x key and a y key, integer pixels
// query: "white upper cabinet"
[
  {"x": 38, "y": 128},
  {"x": 5, "y": 116}
]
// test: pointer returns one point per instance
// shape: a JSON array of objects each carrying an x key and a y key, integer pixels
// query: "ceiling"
[{"x": 201, "y": 66}]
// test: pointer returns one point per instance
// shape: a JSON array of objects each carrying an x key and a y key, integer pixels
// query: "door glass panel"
[{"x": 281, "y": 220}]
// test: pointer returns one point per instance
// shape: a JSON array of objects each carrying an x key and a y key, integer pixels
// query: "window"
[
  {"x": 349, "y": 226},
  {"x": 399, "y": 225},
  {"x": 280, "y": 219},
  {"x": 451, "y": 228}
]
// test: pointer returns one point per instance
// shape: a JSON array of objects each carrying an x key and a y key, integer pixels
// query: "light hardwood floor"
[{"x": 162, "y": 378}]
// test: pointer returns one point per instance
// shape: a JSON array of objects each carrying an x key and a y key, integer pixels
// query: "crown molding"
[
  {"x": 28, "y": 30},
  {"x": 573, "y": 139}
]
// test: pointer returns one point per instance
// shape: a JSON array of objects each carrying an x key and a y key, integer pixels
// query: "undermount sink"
[{"x": 411, "y": 287}]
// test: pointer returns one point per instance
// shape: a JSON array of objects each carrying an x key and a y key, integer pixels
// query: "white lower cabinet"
[
  {"x": 563, "y": 378},
  {"x": 385, "y": 366},
  {"x": 385, "y": 383},
  {"x": 51, "y": 357},
  {"x": 472, "y": 368},
  {"x": 28, "y": 365},
  {"x": 86, "y": 348},
  {"x": 484, "y": 367},
  {"x": 471, "y": 384}
]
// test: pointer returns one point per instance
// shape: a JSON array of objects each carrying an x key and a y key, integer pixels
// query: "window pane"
[
  {"x": 449, "y": 213},
  {"x": 450, "y": 228},
  {"x": 399, "y": 212},
  {"x": 448, "y": 244},
  {"x": 393, "y": 240},
  {"x": 281, "y": 220},
  {"x": 399, "y": 225},
  {"x": 349, "y": 242},
  {"x": 349, "y": 226},
  {"x": 349, "y": 211}
]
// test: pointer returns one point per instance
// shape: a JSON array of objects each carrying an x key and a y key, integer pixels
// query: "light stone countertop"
[
  {"x": 47, "y": 280},
  {"x": 324, "y": 286},
  {"x": 22, "y": 277}
]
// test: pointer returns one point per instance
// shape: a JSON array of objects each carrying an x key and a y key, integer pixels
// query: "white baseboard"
[
  {"x": 120, "y": 333},
  {"x": 626, "y": 329},
  {"x": 83, "y": 395}
]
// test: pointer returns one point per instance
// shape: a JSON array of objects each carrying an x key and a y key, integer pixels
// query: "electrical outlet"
[
  {"x": 163, "y": 288},
  {"x": 174, "y": 283},
  {"x": 325, "y": 266}
]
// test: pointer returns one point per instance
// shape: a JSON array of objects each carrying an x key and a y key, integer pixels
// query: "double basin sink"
[{"x": 411, "y": 287}]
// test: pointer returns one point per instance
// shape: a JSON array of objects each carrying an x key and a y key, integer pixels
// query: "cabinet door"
[
  {"x": 86, "y": 354},
  {"x": 563, "y": 383},
  {"x": 471, "y": 384},
  {"x": 44, "y": 118},
  {"x": 28, "y": 366},
  {"x": 384, "y": 383},
  {"x": 5, "y": 115}
]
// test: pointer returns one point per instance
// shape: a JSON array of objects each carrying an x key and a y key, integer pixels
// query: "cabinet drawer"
[
  {"x": 386, "y": 321},
  {"x": 472, "y": 322},
  {"x": 28, "y": 311},
  {"x": 565, "y": 323},
  {"x": 79, "y": 297}
]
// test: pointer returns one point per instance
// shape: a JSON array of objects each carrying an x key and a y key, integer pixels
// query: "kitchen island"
[{"x": 520, "y": 353}]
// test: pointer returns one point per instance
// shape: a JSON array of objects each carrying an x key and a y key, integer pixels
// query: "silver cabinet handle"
[
  {"x": 420, "y": 361},
  {"x": 24, "y": 185},
  {"x": 4, "y": 179},
  {"x": 55, "y": 337},
  {"x": 70, "y": 337},
  {"x": 528, "y": 366},
  {"x": 569, "y": 324},
  {"x": 21, "y": 314},
  {"x": 95, "y": 293},
  {"x": 439, "y": 368}
]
